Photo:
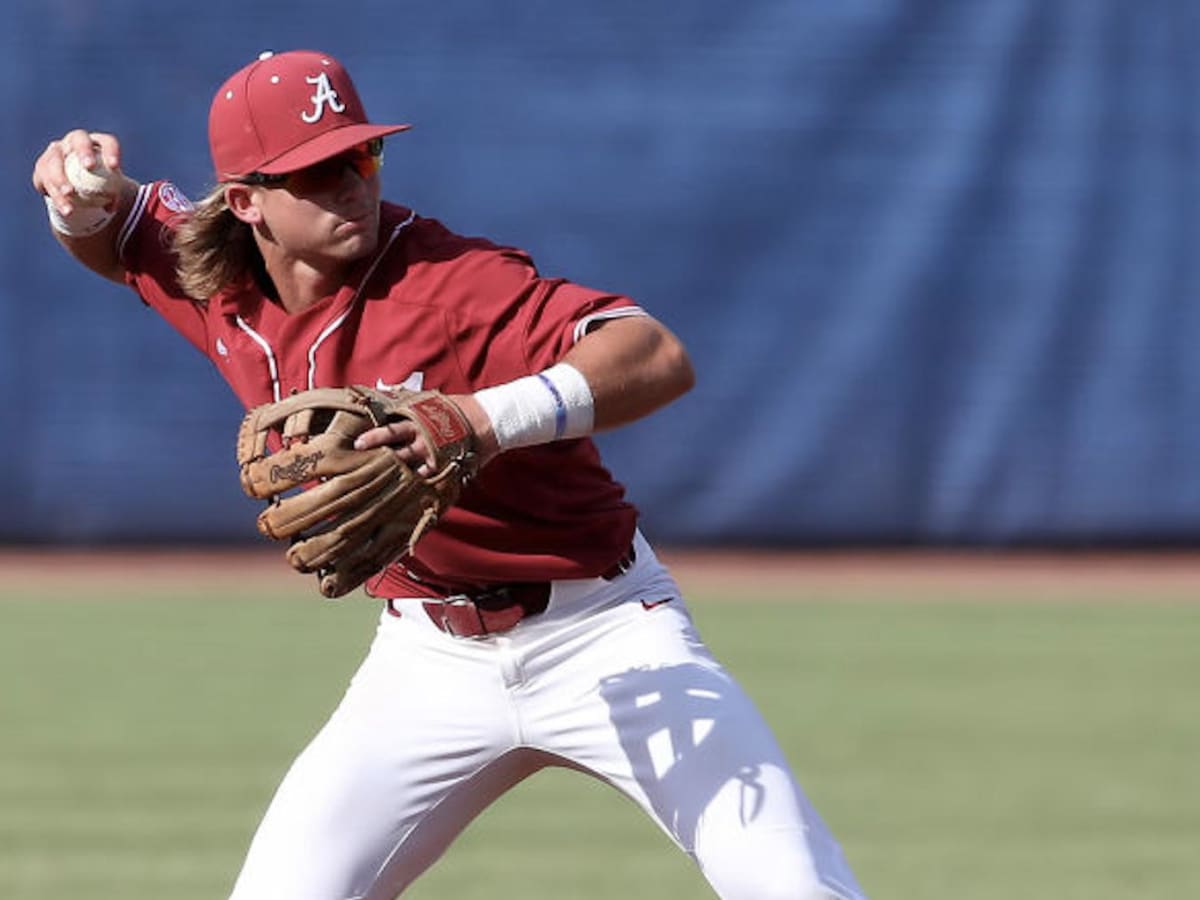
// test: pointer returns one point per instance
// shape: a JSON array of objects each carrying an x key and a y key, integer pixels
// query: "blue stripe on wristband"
[{"x": 560, "y": 408}]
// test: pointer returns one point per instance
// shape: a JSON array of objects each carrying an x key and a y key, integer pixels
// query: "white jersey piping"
[
  {"x": 266, "y": 349},
  {"x": 131, "y": 220},
  {"x": 336, "y": 323},
  {"x": 276, "y": 388},
  {"x": 584, "y": 325}
]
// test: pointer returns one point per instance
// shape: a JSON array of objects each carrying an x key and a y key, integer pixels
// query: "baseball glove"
[{"x": 348, "y": 513}]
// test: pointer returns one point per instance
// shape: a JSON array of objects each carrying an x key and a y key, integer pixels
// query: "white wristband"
[
  {"x": 549, "y": 406},
  {"x": 82, "y": 221}
]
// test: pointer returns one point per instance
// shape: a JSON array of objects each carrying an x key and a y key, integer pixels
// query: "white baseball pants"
[{"x": 433, "y": 728}]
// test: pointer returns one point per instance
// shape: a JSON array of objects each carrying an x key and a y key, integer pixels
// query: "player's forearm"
[
  {"x": 633, "y": 366},
  {"x": 98, "y": 251},
  {"x": 623, "y": 370},
  {"x": 620, "y": 372},
  {"x": 87, "y": 197}
]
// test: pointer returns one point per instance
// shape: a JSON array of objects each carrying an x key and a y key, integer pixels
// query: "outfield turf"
[{"x": 1007, "y": 747}]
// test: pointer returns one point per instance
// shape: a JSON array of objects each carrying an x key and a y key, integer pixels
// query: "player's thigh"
[
  {"x": 670, "y": 727},
  {"x": 419, "y": 725},
  {"x": 637, "y": 698}
]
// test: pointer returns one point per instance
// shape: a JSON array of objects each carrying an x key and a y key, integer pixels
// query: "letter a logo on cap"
[
  {"x": 284, "y": 112},
  {"x": 325, "y": 94}
]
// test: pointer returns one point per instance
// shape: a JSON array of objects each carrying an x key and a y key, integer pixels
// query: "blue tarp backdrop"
[{"x": 935, "y": 260}]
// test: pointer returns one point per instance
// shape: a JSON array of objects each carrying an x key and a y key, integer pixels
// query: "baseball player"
[{"x": 533, "y": 626}]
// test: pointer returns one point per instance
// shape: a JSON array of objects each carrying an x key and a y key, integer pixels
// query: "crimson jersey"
[{"x": 429, "y": 309}]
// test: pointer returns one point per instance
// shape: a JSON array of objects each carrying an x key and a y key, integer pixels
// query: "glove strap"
[{"x": 441, "y": 421}]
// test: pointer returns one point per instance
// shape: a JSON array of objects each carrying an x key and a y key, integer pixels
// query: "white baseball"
[{"x": 95, "y": 186}]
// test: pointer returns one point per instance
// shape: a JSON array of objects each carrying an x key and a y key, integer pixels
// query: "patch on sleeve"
[{"x": 173, "y": 198}]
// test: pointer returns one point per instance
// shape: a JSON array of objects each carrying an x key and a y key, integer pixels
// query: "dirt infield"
[
  {"x": 948, "y": 574},
  {"x": 903, "y": 574}
]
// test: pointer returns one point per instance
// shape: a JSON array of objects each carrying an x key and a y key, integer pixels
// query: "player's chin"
[{"x": 355, "y": 239}]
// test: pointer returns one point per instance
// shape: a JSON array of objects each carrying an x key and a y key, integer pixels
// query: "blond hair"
[{"x": 215, "y": 249}]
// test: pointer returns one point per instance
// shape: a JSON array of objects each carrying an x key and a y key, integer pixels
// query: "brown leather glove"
[{"x": 348, "y": 513}]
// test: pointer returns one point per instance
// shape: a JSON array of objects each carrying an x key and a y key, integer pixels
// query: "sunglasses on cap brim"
[{"x": 365, "y": 159}]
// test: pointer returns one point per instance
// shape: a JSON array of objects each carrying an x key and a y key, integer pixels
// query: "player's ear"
[{"x": 242, "y": 201}]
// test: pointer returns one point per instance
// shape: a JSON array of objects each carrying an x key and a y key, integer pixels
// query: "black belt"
[{"x": 497, "y": 608}]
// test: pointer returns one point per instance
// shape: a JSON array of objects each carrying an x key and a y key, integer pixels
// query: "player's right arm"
[{"x": 97, "y": 251}]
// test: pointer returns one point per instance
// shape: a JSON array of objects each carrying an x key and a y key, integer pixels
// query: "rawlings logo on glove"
[
  {"x": 348, "y": 513},
  {"x": 298, "y": 470}
]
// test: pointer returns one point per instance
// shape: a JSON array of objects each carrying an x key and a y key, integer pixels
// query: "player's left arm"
[
  {"x": 631, "y": 366},
  {"x": 634, "y": 365}
]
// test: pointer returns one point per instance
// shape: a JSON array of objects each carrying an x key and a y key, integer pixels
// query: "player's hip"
[{"x": 532, "y": 610}]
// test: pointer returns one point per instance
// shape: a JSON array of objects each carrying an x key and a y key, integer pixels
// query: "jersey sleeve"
[
  {"x": 561, "y": 312},
  {"x": 549, "y": 315},
  {"x": 144, "y": 245},
  {"x": 510, "y": 320}
]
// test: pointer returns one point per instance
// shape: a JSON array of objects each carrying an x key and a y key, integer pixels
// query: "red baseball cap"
[{"x": 284, "y": 112}]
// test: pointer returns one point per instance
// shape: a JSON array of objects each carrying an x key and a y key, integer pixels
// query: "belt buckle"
[{"x": 462, "y": 601}]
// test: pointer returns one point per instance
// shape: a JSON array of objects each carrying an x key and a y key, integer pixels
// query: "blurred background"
[{"x": 935, "y": 259}]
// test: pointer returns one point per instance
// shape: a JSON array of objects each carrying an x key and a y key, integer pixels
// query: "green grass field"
[{"x": 983, "y": 750}]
